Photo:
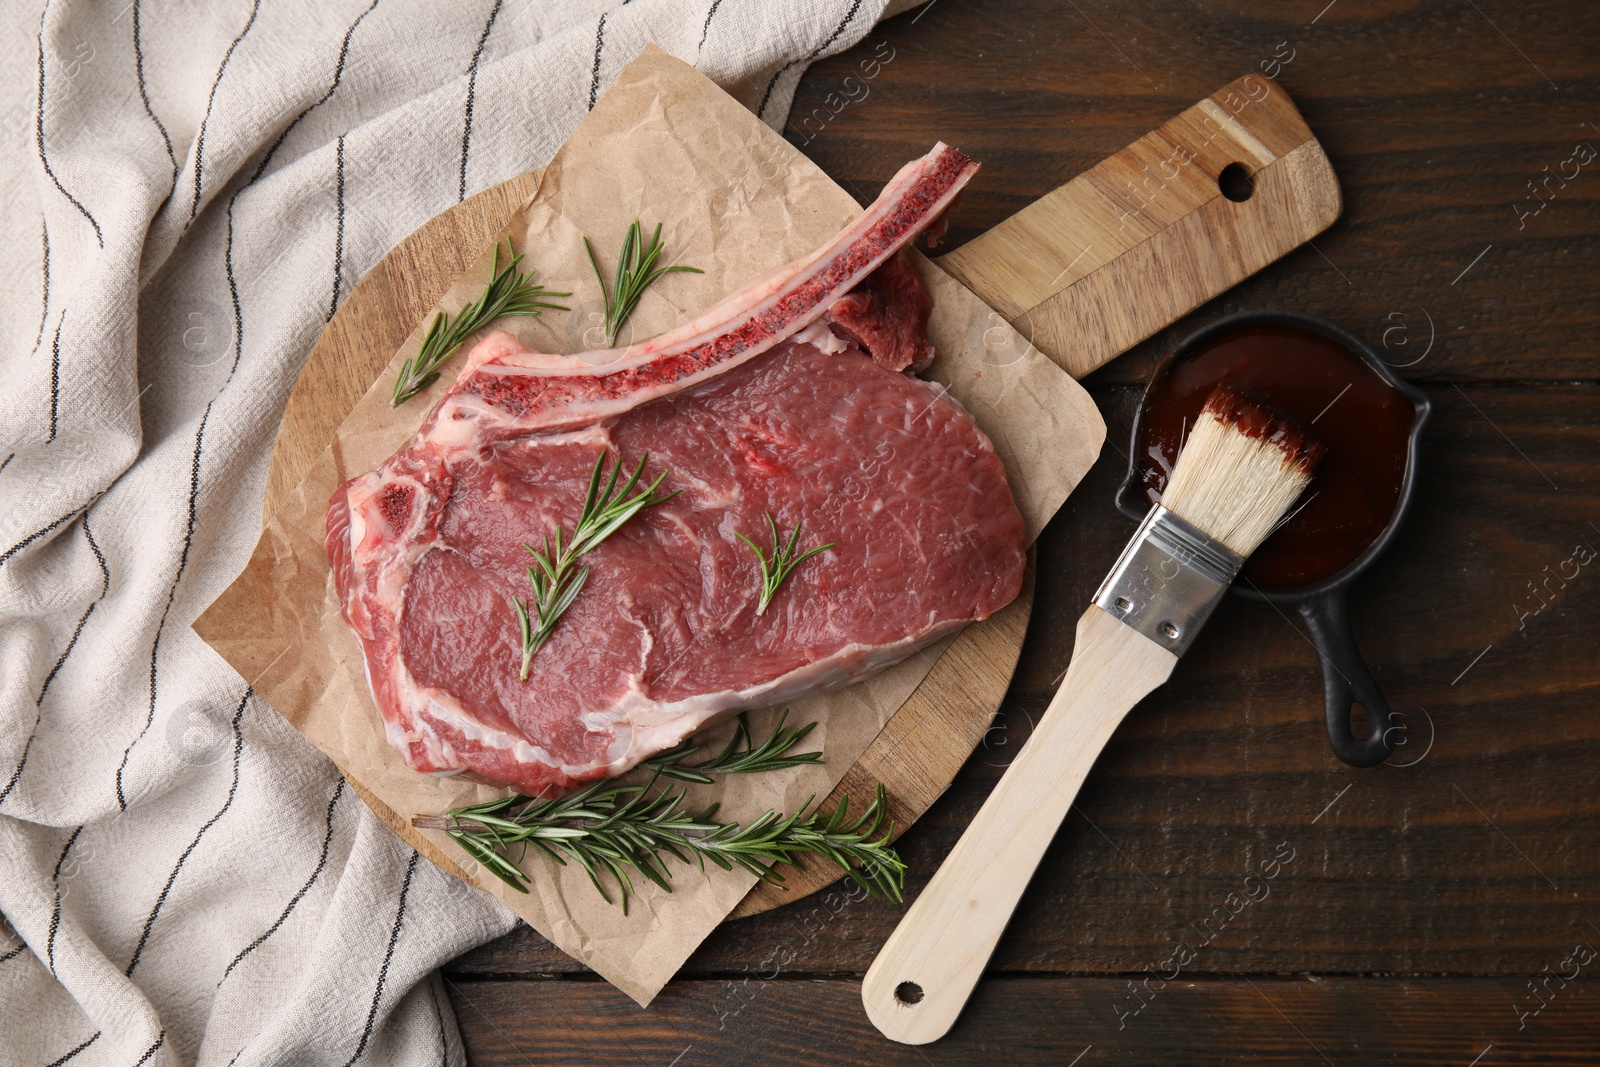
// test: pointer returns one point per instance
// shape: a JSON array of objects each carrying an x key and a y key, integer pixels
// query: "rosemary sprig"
[
  {"x": 636, "y": 270},
  {"x": 510, "y": 292},
  {"x": 554, "y": 574},
  {"x": 739, "y": 756},
  {"x": 608, "y": 829},
  {"x": 777, "y": 567}
]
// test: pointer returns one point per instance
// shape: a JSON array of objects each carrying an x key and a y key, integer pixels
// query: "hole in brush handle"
[{"x": 908, "y": 993}]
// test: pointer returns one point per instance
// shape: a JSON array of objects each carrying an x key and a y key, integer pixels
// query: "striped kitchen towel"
[{"x": 190, "y": 190}]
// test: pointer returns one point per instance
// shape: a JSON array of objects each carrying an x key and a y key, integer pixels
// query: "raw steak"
[{"x": 788, "y": 398}]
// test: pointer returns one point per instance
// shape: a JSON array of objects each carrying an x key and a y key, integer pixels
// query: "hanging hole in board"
[
  {"x": 1236, "y": 183},
  {"x": 908, "y": 993}
]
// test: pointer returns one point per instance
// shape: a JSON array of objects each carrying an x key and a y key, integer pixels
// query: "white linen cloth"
[{"x": 190, "y": 190}]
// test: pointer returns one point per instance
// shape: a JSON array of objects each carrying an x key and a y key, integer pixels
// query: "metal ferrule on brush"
[{"x": 1168, "y": 580}]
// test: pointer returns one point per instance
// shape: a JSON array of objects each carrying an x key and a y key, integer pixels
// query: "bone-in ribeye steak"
[{"x": 790, "y": 397}]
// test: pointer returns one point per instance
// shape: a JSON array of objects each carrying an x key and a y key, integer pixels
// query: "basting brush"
[{"x": 1237, "y": 475}]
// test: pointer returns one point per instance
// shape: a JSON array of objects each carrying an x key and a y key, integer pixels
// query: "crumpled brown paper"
[{"x": 735, "y": 199}]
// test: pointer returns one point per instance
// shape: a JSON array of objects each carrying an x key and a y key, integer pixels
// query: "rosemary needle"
[
  {"x": 555, "y": 576},
  {"x": 778, "y": 566},
  {"x": 636, "y": 270},
  {"x": 509, "y": 292}
]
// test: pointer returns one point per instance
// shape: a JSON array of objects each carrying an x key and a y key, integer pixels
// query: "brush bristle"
[{"x": 1240, "y": 470}]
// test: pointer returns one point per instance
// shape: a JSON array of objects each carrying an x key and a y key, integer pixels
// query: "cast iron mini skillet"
[{"x": 1323, "y": 602}]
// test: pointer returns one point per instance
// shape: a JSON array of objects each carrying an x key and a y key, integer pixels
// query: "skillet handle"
[{"x": 1346, "y": 681}]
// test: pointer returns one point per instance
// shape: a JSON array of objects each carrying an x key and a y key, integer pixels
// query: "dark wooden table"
[{"x": 1430, "y": 913}]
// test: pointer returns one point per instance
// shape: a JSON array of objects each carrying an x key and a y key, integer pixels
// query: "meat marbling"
[{"x": 767, "y": 403}]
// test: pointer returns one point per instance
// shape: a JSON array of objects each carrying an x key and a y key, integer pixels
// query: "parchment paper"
[{"x": 736, "y": 200}]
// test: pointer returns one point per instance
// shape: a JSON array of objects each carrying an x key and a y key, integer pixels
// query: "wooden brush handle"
[{"x": 949, "y": 933}]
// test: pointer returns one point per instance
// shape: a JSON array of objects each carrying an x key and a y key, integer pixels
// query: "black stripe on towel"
[
  {"x": 138, "y": 66},
  {"x": 205, "y": 120},
  {"x": 813, "y": 54},
  {"x": 338, "y": 240},
  {"x": 38, "y": 136},
  {"x": 44, "y": 302},
  {"x": 5, "y": 557},
  {"x": 594, "y": 75},
  {"x": 22, "y": 761},
  {"x": 706, "y": 29},
  {"x": 388, "y": 957},
  {"x": 105, "y": 584},
  {"x": 233, "y": 789},
  {"x": 472, "y": 92},
  {"x": 92, "y": 1039},
  {"x": 99, "y": 557},
  {"x": 55, "y": 915},
  {"x": 151, "y": 1051},
  {"x": 322, "y": 861},
  {"x": 55, "y": 378},
  {"x": 338, "y": 76}
]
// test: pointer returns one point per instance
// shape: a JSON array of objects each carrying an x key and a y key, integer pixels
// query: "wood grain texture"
[
  {"x": 1481, "y": 860},
  {"x": 1146, "y": 236},
  {"x": 1067, "y": 1021}
]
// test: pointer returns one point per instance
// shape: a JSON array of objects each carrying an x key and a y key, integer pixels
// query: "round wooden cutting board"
[{"x": 924, "y": 744}]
